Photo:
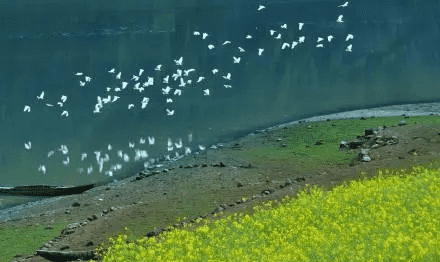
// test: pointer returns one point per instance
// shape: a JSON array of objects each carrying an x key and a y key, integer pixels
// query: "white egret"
[
  {"x": 135, "y": 78},
  {"x": 179, "y": 61},
  {"x": 131, "y": 145},
  {"x": 50, "y": 153},
  {"x": 169, "y": 100},
  {"x": 285, "y": 45},
  {"x": 272, "y": 32},
  {"x": 126, "y": 158},
  {"x": 130, "y": 106},
  {"x": 83, "y": 156},
  {"x": 118, "y": 76},
  {"x": 66, "y": 162},
  {"x": 178, "y": 92},
  {"x": 206, "y": 92},
  {"x": 200, "y": 79},
  {"x": 241, "y": 49},
  {"x": 228, "y": 76},
  {"x": 284, "y": 26},
  {"x": 348, "y": 49},
  {"x": 340, "y": 19},
  {"x": 142, "y": 140},
  {"x": 117, "y": 89},
  {"x": 49, "y": 105},
  {"x": 79, "y": 74},
  {"x": 248, "y": 36},
  {"x": 190, "y": 137},
  {"x": 204, "y": 35},
  {"x": 320, "y": 39},
  {"x": 170, "y": 112},
  {"x": 120, "y": 154},
  {"x": 115, "y": 98},
  {"x": 260, "y": 51},
  {"x": 226, "y": 42},
  {"x": 63, "y": 98},
  {"x": 186, "y": 72},
  {"x": 145, "y": 101},
  {"x": 202, "y": 147},
  {"x": 141, "y": 71},
  {"x": 111, "y": 71},
  {"x": 260, "y": 7},
  {"x": 64, "y": 149},
  {"x": 27, "y": 108},
  {"x": 88, "y": 79},
  {"x": 227, "y": 86},
  {"x": 97, "y": 108},
  {"x": 109, "y": 147},
  {"x": 60, "y": 104},
  {"x": 189, "y": 81},
  {"x": 81, "y": 83},
  {"x": 151, "y": 140},
  {"x": 165, "y": 79},
  {"x": 330, "y": 37},
  {"x": 65, "y": 113},
  {"x": 214, "y": 71},
  {"x": 124, "y": 85},
  {"x": 319, "y": 45},
  {"x": 349, "y": 36},
  {"x": 187, "y": 151},
  {"x": 158, "y": 67},
  {"x": 28, "y": 145},
  {"x": 196, "y": 33},
  {"x": 301, "y": 39},
  {"x": 343, "y": 5},
  {"x": 41, "y": 96},
  {"x": 300, "y": 25},
  {"x": 166, "y": 90},
  {"x": 236, "y": 60},
  {"x": 182, "y": 83},
  {"x": 42, "y": 168},
  {"x": 211, "y": 47},
  {"x": 294, "y": 43},
  {"x": 89, "y": 169},
  {"x": 278, "y": 36}
]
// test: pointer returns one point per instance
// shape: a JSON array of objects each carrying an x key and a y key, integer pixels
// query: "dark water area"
[{"x": 394, "y": 59}]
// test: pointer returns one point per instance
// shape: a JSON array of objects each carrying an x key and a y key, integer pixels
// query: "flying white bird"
[
  {"x": 79, "y": 74},
  {"x": 64, "y": 149},
  {"x": 142, "y": 140},
  {"x": 179, "y": 61},
  {"x": 170, "y": 144},
  {"x": 285, "y": 45},
  {"x": 236, "y": 60},
  {"x": 206, "y": 92},
  {"x": 278, "y": 36},
  {"x": 50, "y": 153},
  {"x": 186, "y": 72},
  {"x": 106, "y": 99},
  {"x": 200, "y": 79},
  {"x": 319, "y": 45},
  {"x": 330, "y": 37},
  {"x": 201, "y": 147},
  {"x": 89, "y": 170},
  {"x": 284, "y": 26},
  {"x": 141, "y": 71},
  {"x": 120, "y": 154},
  {"x": 81, "y": 83},
  {"x": 109, "y": 147},
  {"x": 144, "y": 102},
  {"x": 190, "y": 137},
  {"x": 343, "y": 5},
  {"x": 60, "y": 104},
  {"x": 49, "y": 105},
  {"x": 170, "y": 112},
  {"x": 165, "y": 79},
  {"x": 260, "y": 7},
  {"x": 131, "y": 145},
  {"x": 118, "y": 76},
  {"x": 189, "y": 81},
  {"x": 348, "y": 49},
  {"x": 178, "y": 92},
  {"x": 126, "y": 158},
  {"x": 260, "y": 51},
  {"x": 320, "y": 39},
  {"x": 63, "y": 98},
  {"x": 210, "y": 47},
  {"x": 27, "y": 145},
  {"x": 117, "y": 89},
  {"x": 179, "y": 144},
  {"x": 196, "y": 33},
  {"x": 151, "y": 140},
  {"x": 130, "y": 106},
  {"x": 83, "y": 156},
  {"x": 227, "y": 86},
  {"x": 340, "y": 19},
  {"x": 88, "y": 78},
  {"x": 204, "y": 35},
  {"x": 42, "y": 168},
  {"x": 135, "y": 78},
  {"x": 182, "y": 83},
  {"x": 166, "y": 90},
  {"x": 214, "y": 71},
  {"x": 124, "y": 85},
  {"x": 301, "y": 39},
  {"x": 97, "y": 108},
  {"x": 349, "y": 36},
  {"x": 300, "y": 25},
  {"x": 115, "y": 98},
  {"x": 272, "y": 32},
  {"x": 228, "y": 76},
  {"x": 65, "y": 113},
  {"x": 187, "y": 151},
  {"x": 111, "y": 71},
  {"x": 248, "y": 36},
  {"x": 294, "y": 43},
  {"x": 158, "y": 67},
  {"x": 66, "y": 162},
  {"x": 27, "y": 109},
  {"x": 41, "y": 96},
  {"x": 241, "y": 49}
]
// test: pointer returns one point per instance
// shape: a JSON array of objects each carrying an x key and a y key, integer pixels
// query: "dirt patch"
[{"x": 211, "y": 183}]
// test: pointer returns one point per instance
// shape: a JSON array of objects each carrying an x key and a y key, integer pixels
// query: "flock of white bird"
[{"x": 181, "y": 77}]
